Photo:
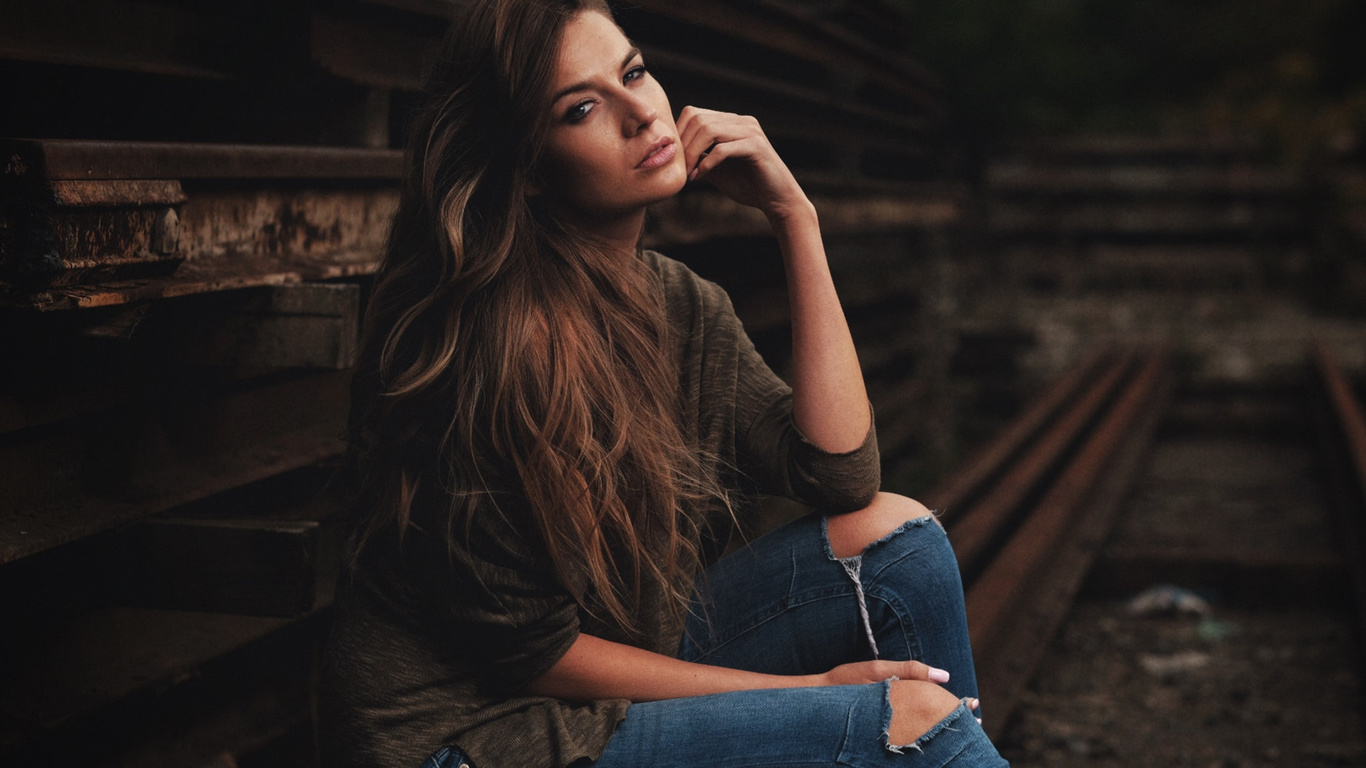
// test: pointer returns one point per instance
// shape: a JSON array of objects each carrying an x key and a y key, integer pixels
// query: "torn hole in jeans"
[
  {"x": 853, "y": 566},
  {"x": 948, "y": 723}
]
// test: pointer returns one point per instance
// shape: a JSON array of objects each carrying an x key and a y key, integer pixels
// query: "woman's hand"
[
  {"x": 732, "y": 152},
  {"x": 922, "y": 705},
  {"x": 862, "y": 672}
]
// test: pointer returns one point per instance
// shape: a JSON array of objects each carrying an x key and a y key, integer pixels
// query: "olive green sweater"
[{"x": 433, "y": 648}]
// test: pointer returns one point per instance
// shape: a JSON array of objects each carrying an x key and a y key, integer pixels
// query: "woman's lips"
[{"x": 661, "y": 153}]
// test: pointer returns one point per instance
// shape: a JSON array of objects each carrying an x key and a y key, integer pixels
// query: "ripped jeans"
[{"x": 785, "y": 605}]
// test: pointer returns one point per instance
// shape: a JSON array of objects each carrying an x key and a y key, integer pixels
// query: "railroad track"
[
  {"x": 1028, "y": 515},
  {"x": 1031, "y": 514}
]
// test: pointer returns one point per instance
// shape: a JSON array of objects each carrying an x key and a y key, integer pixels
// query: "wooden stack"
[{"x": 184, "y": 255}]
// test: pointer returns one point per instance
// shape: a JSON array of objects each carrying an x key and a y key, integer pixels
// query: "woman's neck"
[{"x": 619, "y": 233}]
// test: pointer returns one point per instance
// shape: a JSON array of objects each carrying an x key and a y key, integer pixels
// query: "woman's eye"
[
  {"x": 578, "y": 111},
  {"x": 634, "y": 73}
]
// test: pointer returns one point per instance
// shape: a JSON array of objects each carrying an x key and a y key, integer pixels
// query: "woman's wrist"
[{"x": 793, "y": 215}]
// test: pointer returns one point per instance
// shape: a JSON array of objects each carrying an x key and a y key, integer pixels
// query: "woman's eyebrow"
[{"x": 585, "y": 85}]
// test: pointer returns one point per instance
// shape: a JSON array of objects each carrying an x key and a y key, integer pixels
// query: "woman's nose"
[{"x": 639, "y": 114}]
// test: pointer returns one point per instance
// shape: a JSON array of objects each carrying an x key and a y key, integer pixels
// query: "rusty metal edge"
[
  {"x": 1011, "y": 643},
  {"x": 75, "y": 160},
  {"x": 1342, "y": 429},
  {"x": 1347, "y": 410},
  {"x": 968, "y": 481},
  {"x": 974, "y": 533}
]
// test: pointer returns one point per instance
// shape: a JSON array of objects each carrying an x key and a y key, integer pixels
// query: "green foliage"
[{"x": 1293, "y": 69}]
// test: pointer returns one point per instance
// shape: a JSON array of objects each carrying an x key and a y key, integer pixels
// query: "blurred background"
[{"x": 1105, "y": 264}]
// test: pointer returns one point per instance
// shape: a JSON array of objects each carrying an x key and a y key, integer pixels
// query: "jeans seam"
[
  {"x": 904, "y": 619},
  {"x": 758, "y": 619}
]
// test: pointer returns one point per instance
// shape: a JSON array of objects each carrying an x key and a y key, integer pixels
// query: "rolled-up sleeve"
[
  {"x": 773, "y": 451},
  {"x": 769, "y": 448}
]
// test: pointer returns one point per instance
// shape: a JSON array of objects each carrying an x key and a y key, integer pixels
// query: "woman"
[{"x": 554, "y": 434}]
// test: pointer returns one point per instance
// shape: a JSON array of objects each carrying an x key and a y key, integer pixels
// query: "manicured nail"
[
  {"x": 974, "y": 703},
  {"x": 692, "y": 175},
  {"x": 938, "y": 675},
  {"x": 979, "y": 720}
]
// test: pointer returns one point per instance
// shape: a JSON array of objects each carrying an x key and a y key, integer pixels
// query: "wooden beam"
[
  {"x": 101, "y": 684},
  {"x": 241, "y": 566},
  {"x": 68, "y": 159},
  {"x": 124, "y": 228},
  {"x": 306, "y": 325},
  {"x": 97, "y": 476},
  {"x": 129, "y": 36}
]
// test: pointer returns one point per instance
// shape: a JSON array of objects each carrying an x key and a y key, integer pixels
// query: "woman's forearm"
[
  {"x": 829, "y": 401},
  {"x": 596, "y": 669}
]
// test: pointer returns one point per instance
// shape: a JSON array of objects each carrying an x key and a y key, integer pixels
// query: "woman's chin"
[{"x": 675, "y": 181}]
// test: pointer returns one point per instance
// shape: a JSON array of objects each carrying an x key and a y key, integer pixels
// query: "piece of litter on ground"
[
  {"x": 1173, "y": 664},
  {"x": 1211, "y": 628},
  {"x": 1167, "y": 598}
]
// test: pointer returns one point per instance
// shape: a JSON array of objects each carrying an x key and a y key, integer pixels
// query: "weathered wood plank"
[
  {"x": 94, "y": 477},
  {"x": 72, "y": 159},
  {"x": 106, "y": 681},
  {"x": 308, "y": 325},
  {"x": 248, "y": 566}
]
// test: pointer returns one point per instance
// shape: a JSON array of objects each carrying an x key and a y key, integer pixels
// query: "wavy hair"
[{"x": 505, "y": 352}]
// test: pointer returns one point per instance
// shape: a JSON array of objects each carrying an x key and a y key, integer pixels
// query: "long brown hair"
[{"x": 507, "y": 353}]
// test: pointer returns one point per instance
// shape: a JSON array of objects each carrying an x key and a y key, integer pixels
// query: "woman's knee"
[
  {"x": 852, "y": 532},
  {"x": 917, "y": 706}
]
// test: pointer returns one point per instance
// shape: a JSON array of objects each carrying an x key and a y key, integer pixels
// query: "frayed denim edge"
[
  {"x": 918, "y": 745},
  {"x": 909, "y": 524},
  {"x": 853, "y": 566}
]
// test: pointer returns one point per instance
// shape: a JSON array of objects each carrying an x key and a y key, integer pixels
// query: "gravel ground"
[
  {"x": 1241, "y": 685},
  {"x": 1234, "y": 689}
]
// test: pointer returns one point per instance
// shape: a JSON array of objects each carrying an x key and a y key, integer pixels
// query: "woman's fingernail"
[
  {"x": 974, "y": 703},
  {"x": 938, "y": 675},
  {"x": 692, "y": 175},
  {"x": 979, "y": 720}
]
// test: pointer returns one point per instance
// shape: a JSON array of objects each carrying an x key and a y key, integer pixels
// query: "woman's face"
[{"x": 612, "y": 147}]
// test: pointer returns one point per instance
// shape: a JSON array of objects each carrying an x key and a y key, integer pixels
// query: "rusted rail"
[
  {"x": 1342, "y": 431},
  {"x": 979, "y": 528},
  {"x": 103, "y": 224},
  {"x": 1037, "y": 504}
]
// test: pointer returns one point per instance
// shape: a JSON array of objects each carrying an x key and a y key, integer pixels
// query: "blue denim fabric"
[
  {"x": 827, "y": 727},
  {"x": 446, "y": 757},
  {"x": 786, "y": 605}
]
